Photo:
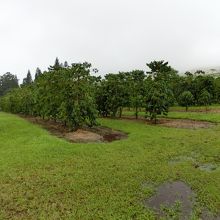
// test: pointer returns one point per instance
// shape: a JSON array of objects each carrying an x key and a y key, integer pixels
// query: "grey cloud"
[{"x": 113, "y": 35}]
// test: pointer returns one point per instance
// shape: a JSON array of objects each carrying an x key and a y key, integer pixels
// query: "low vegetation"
[{"x": 44, "y": 177}]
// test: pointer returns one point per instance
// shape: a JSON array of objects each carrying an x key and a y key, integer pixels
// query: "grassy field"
[{"x": 44, "y": 177}]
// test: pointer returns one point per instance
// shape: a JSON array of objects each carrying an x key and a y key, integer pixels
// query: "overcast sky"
[{"x": 114, "y": 35}]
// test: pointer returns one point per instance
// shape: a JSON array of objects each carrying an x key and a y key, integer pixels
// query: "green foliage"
[
  {"x": 205, "y": 98},
  {"x": 65, "y": 95},
  {"x": 28, "y": 80},
  {"x": 157, "y": 100},
  {"x": 160, "y": 95},
  {"x": 158, "y": 69},
  {"x": 112, "y": 94},
  {"x": 38, "y": 73},
  {"x": 7, "y": 82},
  {"x": 54, "y": 93},
  {"x": 137, "y": 89},
  {"x": 57, "y": 65},
  {"x": 186, "y": 99}
]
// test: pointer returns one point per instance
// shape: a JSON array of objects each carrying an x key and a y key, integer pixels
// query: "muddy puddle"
[
  {"x": 172, "y": 200},
  {"x": 193, "y": 159},
  {"x": 176, "y": 201}
]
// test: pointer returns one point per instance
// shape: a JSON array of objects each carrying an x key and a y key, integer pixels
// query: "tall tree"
[
  {"x": 160, "y": 96},
  {"x": 28, "y": 79},
  {"x": 66, "y": 65},
  {"x": 159, "y": 70},
  {"x": 157, "y": 100},
  {"x": 7, "y": 82},
  {"x": 57, "y": 65},
  {"x": 205, "y": 99},
  {"x": 37, "y": 73},
  {"x": 186, "y": 99},
  {"x": 112, "y": 94},
  {"x": 137, "y": 87}
]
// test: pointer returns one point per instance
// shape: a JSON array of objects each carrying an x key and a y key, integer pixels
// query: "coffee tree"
[{"x": 186, "y": 99}]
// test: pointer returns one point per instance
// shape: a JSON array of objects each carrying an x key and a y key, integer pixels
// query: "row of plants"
[{"x": 74, "y": 95}]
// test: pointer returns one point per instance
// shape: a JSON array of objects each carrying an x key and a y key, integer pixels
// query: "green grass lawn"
[{"x": 44, "y": 177}]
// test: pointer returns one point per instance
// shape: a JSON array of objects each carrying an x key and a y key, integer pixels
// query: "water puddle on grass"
[
  {"x": 208, "y": 167},
  {"x": 173, "y": 200},
  {"x": 181, "y": 159}
]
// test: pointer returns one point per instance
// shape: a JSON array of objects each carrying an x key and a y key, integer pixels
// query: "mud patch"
[
  {"x": 84, "y": 135},
  {"x": 172, "y": 200},
  {"x": 108, "y": 134},
  {"x": 185, "y": 123},
  {"x": 175, "y": 123}
]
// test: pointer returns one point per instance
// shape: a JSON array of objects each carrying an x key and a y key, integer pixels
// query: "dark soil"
[
  {"x": 168, "y": 195},
  {"x": 83, "y": 135}
]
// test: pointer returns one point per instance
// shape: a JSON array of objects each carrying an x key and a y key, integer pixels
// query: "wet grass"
[{"x": 44, "y": 177}]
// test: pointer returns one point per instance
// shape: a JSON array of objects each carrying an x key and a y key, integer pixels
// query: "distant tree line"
[{"x": 73, "y": 95}]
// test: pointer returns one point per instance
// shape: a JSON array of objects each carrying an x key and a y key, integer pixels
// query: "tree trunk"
[
  {"x": 120, "y": 112},
  {"x": 136, "y": 112},
  {"x": 186, "y": 108}
]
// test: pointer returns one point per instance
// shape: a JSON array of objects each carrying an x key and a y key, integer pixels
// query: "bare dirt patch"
[
  {"x": 175, "y": 198},
  {"x": 185, "y": 123},
  {"x": 175, "y": 123},
  {"x": 83, "y": 135}
]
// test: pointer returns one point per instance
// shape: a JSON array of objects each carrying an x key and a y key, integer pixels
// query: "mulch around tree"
[{"x": 82, "y": 135}]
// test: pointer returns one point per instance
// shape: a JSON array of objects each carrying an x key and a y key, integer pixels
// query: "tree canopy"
[
  {"x": 73, "y": 93},
  {"x": 8, "y": 82}
]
